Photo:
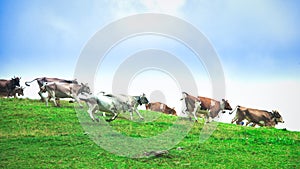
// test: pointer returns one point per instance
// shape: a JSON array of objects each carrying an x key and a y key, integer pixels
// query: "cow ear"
[{"x": 82, "y": 84}]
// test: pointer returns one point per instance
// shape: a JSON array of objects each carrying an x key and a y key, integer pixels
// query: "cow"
[
  {"x": 8, "y": 86},
  {"x": 133, "y": 102},
  {"x": 43, "y": 80},
  {"x": 17, "y": 91},
  {"x": 114, "y": 104},
  {"x": 191, "y": 105},
  {"x": 210, "y": 106},
  {"x": 214, "y": 106},
  {"x": 256, "y": 116},
  {"x": 160, "y": 107},
  {"x": 58, "y": 90}
]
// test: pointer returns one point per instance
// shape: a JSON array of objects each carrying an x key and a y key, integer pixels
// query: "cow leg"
[
  {"x": 8, "y": 93},
  {"x": 131, "y": 114},
  {"x": 78, "y": 101},
  {"x": 138, "y": 113},
  {"x": 113, "y": 118},
  {"x": 238, "y": 121},
  {"x": 46, "y": 100},
  {"x": 92, "y": 110},
  {"x": 52, "y": 95},
  {"x": 234, "y": 119},
  {"x": 208, "y": 119},
  {"x": 196, "y": 119},
  {"x": 41, "y": 95},
  {"x": 43, "y": 98},
  {"x": 91, "y": 114},
  {"x": 58, "y": 102},
  {"x": 55, "y": 103}
]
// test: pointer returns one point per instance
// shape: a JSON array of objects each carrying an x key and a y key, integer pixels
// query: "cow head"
[
  {"x": 16, "y": 81},
  {"x": 20, "y": 91},
  {"x": 84, "y": 88},
  {"x": 75, "y": 81},
  {"x": 225, "y": 105},
  {"x": 277, "y": 116},
  {"x": 143, "y": 99},
  {"x": 172, "y": 111}
]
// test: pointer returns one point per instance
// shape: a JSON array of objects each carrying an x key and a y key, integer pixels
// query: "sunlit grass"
[{"x": 35, "y": 136}]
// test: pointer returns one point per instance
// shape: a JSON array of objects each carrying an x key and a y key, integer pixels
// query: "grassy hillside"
[{"x": 35, "y": 136}]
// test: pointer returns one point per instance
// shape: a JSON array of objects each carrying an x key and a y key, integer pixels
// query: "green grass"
[{"x": 35, "y": 136}]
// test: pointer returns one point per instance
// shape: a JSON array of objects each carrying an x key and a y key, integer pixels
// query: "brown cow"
[
  {"x": 214, "y": 106},
  {"x": 64, "y": 90},
  {"x": 17, "y": 90},
  {"x": 256, "y": 116},
  {"x": 160, "y": 107},
  {"x": 8, "y": 86},
  {"x": 43, "y": 80}
]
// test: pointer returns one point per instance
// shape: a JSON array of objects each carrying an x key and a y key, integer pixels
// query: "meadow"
[{"x": 35, "y": 136}]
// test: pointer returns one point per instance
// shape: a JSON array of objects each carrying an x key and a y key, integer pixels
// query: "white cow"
[{"x": 114, "y": 104}]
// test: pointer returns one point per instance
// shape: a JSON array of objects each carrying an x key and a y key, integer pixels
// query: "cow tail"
[{"x": 26, "y": 83}]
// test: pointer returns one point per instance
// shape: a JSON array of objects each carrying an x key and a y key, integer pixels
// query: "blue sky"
[
  {"x": 260, "y": 34},
  {"x": 258, "y": 42}
]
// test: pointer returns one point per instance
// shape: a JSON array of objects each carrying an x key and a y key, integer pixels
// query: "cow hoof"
[
  {"x": 97, "y": 120},
  {"x": 109, "y": 120}
]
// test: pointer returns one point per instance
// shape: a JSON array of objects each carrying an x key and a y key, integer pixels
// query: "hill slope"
[{"x": 35, "y": 136}]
